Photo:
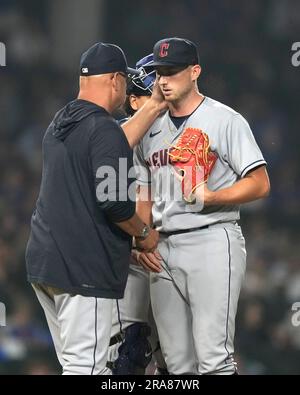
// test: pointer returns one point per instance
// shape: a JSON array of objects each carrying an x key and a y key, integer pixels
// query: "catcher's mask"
[{"x": 142, "y": 84}]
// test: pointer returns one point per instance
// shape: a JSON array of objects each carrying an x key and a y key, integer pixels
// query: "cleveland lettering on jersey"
[{"x": 158, "y": 159}]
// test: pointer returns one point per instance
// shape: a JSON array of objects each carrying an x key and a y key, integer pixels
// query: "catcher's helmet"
[{"x": 142, "y": 84}]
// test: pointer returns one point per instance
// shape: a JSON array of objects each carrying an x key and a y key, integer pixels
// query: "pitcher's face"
[{"x": 176, "y": 82}]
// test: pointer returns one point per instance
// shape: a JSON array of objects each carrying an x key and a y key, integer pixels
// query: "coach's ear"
[
  {"x": 196, "y": 71},
  {"x": 115, "y": 81}
]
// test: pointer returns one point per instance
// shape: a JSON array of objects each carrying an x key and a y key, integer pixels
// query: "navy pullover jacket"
[{"x": 74, "y": 243}]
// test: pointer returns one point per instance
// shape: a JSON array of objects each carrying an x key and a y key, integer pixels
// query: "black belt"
[{"x": 178, "y": 232}]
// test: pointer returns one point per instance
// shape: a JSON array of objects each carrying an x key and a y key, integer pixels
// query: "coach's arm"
[
  {"x": 151, "y": 260},
  {"x": 140, "y": 122}
]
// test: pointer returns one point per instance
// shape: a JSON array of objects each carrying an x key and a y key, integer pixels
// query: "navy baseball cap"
[
  {"x": 103, "y": 58},
  {"x": 175, "y": 51},
  {"x": 142, "y": 84}
]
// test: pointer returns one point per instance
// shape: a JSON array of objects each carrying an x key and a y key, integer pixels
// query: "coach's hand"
[
  {"x": 158, "y": 99},
  {"x": 150, "y": 261},
  {"x": 150, "y": 243}
]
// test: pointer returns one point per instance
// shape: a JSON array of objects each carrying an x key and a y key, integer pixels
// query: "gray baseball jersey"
[
  {"x": 194, "y": 298},
  {"x": 230, "y": 137}
]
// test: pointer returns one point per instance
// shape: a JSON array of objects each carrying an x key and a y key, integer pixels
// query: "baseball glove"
[{"x": 193, "y": 160}]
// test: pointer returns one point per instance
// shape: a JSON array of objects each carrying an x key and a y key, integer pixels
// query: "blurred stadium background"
[{"x": 245, "y": 51}]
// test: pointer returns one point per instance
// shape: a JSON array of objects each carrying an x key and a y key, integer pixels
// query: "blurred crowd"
[{"x": 245, "y": 52}]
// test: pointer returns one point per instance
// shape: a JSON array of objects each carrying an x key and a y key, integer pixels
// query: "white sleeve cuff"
[{"x": 252, "y": 165}]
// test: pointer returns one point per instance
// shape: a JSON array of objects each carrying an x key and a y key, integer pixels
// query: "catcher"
[
  {"x": 134, "y": 339},
  {"x": 198, "y": 268}
]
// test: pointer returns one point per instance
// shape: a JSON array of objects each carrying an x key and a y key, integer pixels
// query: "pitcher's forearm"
[{"x": 254, "y": 186}]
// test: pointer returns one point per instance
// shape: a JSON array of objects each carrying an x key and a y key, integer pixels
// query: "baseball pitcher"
[{"x": 195, "y": 167}]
